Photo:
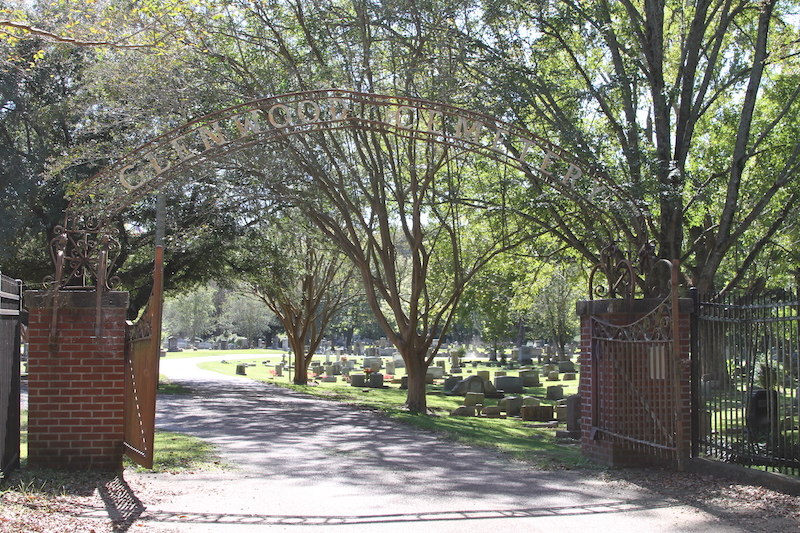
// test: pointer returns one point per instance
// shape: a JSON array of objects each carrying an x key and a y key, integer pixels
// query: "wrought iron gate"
[
  {"x": 636, "y": 376},
  {"x": 10, "y": 315},
  {"x": 748, "y": 379},
  {"x": 142, "y": 352}
]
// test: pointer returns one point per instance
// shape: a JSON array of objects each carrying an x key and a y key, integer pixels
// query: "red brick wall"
[
  {"x": 598, "y": 446},
  {"x": 76, "y": 384}
]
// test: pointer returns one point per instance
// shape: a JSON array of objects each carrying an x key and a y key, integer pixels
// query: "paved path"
[{"x": 303, "y": 464}]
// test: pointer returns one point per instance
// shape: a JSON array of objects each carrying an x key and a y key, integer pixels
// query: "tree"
[
  {"x": 390, "y": 210},
  {"x": 300, "y": 279},
  {"x": 190, "y": 314},
  {"x": 247, "y": 316},
  {"x": 551, "y": 304},
  {"x": 690, "y": 108}
]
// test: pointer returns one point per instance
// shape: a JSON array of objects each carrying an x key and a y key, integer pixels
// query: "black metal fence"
[
  {"x": 10, "y": 315},
  {"x": 746, "y": 380}
]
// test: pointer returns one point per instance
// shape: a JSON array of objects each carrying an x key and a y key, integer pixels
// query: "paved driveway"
[{"x": 303, "y": 464}]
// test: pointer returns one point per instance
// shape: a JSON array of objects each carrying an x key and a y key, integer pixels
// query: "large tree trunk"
[
  {"x": 416, "y": 369},
  {"x": 301, "y": 363}
]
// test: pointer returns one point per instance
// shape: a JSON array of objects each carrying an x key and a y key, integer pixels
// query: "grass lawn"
[{"x": 521, "y": 440}]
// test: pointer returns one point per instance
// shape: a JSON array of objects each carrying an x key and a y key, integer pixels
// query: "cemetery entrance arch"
[{"x": 84, "y": 248}]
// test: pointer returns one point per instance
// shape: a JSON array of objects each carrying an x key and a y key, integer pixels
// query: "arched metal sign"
[{"x": 196, "y": 143}]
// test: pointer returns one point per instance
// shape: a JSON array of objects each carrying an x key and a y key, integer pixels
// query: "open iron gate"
[
  {"x": 142, "y": 351},
  {"x": 10, "y": 316},
  {"x": 636, "y": 376}
]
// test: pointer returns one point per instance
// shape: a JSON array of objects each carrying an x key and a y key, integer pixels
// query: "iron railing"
[{"x": 746, "y": 379}]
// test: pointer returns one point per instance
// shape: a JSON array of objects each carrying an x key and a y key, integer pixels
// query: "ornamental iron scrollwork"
[
  {"x": 644, "y": 277},
  {"x": 83, "y": 259}
]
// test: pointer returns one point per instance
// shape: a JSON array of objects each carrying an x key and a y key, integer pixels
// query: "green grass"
[
  {"x": 167, "y": 386},
  {"x": 178, "y": 452},
  {"x": 252, "y": 352},
  {"x": 511, "y": 436}
]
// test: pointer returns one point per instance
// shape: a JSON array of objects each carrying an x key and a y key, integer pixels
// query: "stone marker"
[
  {"x": 376, "y": 380},
  {"x": 508, "y": 383},
  {"x": 329, "y": 379},
  {"x": 451, "y": 382},
  {"x": 570, "y": 376},
  {"x": 566, "y": 366},
  {"x": 278, "y": 370},
  {"x": 483, "y": 374},
  {"x": 553, "y": 376},
  {"x": 531, "y": 401},
  {"x": 513, "y": 405},
  {"x": 436, "y": 371},
  {"x": 500, "y": 373},
  {"x": 538, "y": 413},
  {"x": 464, "y": 410},
  {"x": 358, "y": 379},
  {"x": 530, "y": 378},
  {"x": 556, "y": 392},
  {"x": 390, "y": 368},
  {"x": 492, "y": 411},
  {"x": 404, "y": 382},
  {"x": 473, "y": 398},
  {"x": 561, "y": 412},
  {"x": 241, "y": 370}
]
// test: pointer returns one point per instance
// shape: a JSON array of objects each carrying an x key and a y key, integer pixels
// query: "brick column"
[
  {"x": 76, "y": 384},
  {"x": 596, "y": 445}
]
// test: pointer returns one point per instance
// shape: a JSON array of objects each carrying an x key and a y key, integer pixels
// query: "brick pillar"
[
  {"x": 595, "y": 445},
  {"x": 76, "y": 384}
]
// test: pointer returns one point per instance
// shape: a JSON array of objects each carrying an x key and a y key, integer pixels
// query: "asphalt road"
[{"x": 302, "y": 464}]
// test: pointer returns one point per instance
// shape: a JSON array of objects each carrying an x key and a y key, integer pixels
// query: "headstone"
[
  {"x": 398, "y": 360},
  {"x": 473, "y": 398},
  {"x": 566, "y": 366},
  {"x": 553, "y": 376},
  {"x": 570, "y": 376},
  {"x": 450, "y": 382},
  {"x": 336, "y": 369},
  {"x": 531, "y": 401},
  {"x": 328, "y": 369},
  {"x": 483, "y": 374},
  {"x": 548, "y": 368},
  {"x": 241, "y": 370},
  {"x": 574, "y": 416},
  {"x": 404, "y": 382},
  {"x": 455, "y": 370},
  {"x": 500, "y": 373},
  {"x": 440, "y": 363},
  {"x": 329, "y": 379},
  {"x": 376, "y": 380},
  {"x": 278, "y": 370},
  {"x": 358, "y": 379},
  {"x": 492, "y": 411},
  {"x": 561, "y": 412},
  {"x": 508, "y": 383},
  {"x": 172, "y": 344},
  {"x": 530, "y": 378},
  {"x": 476, "y": 384},
  {"x": 370, "y": 361},
  {"x": 436, "y": 371},
  {"x": 556, "y": 392},
  {"x": 454, "y": 359},
  {"x": 513, "y": 405},
  {"x": 464, "y": 410},
  {"x": 538, "y": 413}
]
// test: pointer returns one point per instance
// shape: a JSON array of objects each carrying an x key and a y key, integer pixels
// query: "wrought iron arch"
[{"x": 83, "y": 255}]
